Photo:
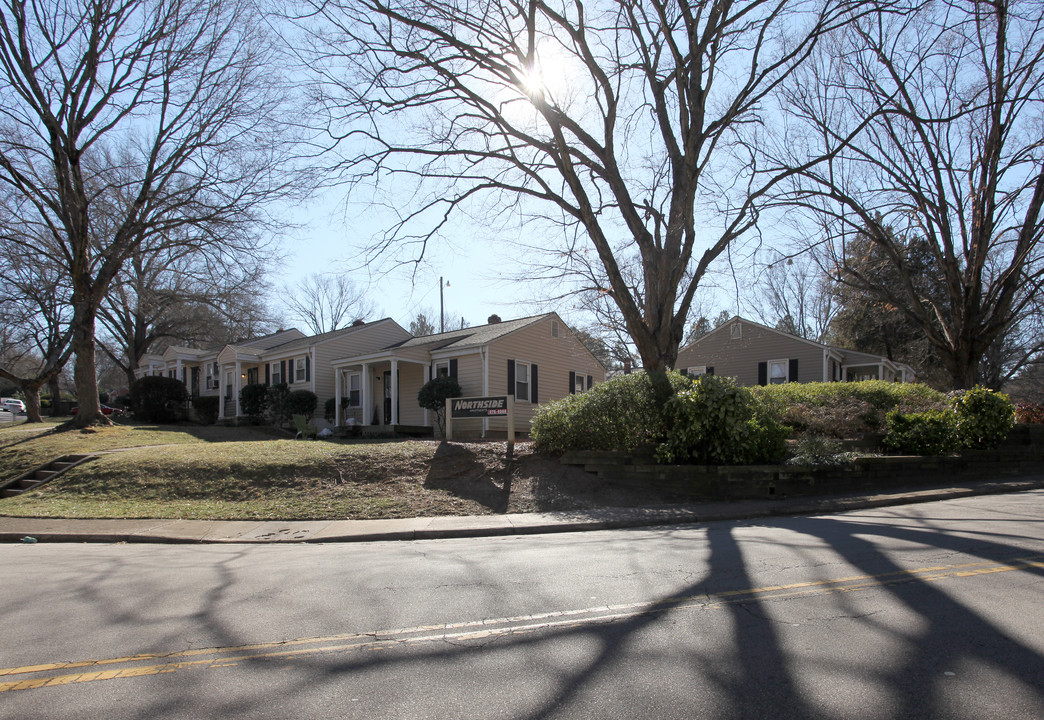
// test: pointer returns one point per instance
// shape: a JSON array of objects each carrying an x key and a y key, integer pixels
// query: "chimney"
[
  {"x": 358, "y": 322},
  {"x": 627, "y": 366},
  {"x": 493, "y": 319}
]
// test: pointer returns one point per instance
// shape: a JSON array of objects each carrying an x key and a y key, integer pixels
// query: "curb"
[{"x": 48, "y": 530}]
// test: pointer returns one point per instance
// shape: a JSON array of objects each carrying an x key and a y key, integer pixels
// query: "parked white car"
[{"x": 12, "y": 405}]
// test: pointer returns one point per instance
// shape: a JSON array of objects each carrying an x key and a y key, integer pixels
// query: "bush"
[
  {"x": 253, "y": 401},
  {"x": 816, "y": 451},
  {"x": 277, "y": 410},
  {"x": 717, "y": 423},
  {"x": 620, "y": 414},
  {"x": 984, "y": 418},
  {"x": 330, "y": 408},
  {"x": 158, "y": 399},
  {"x": 433, "y": 396},
  {"x": 302, "y": 402},
  {"x": 207, "y": 407},
  {"x": 846, "y": 409},
  {"x": 1028, "y": 412},
  {"x": 932, "y": 432}
]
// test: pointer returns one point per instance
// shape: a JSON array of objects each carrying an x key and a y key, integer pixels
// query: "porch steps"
[{"x": 40, "y": 475}]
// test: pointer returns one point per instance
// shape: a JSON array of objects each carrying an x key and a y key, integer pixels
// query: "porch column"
[
  {"x": 338, "y": 372},
  {"x": 395, "y": 391},
  {"x": 221, "y": 393},
  {"x": 427, "y": 377},
  {"x": 177, "y": 372},
  {"x": 367, "y": 381},
  {"x": 880, "y": 371},
  {"x": 239, "y": 386}
]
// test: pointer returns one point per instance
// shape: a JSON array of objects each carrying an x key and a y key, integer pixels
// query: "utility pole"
[{"x": 442, "y": 308}]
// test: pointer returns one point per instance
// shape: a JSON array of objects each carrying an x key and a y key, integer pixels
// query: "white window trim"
[
  {"x": 274, "y": 373},
  {"x": 442, "y": 364},
  {"x": 528, "y": 382},
  {"x": 348, "y": 388},
  {"x": 579, "y": 378},
  {"x": 736, "y": 331},
  {"x": 299, "y": 368},
  {"x": 785, "y": 362},
  {"x": 696, "y": 370}
]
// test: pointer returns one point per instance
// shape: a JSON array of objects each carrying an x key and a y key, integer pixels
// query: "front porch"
[{"x": 380, "y": 392}]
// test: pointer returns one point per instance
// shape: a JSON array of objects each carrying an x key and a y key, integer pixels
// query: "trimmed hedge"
[
  {"x": 620, "y": 414},
  {"x": 846, "y": 409},
  {"x": 207, "y": 407},
  {"x": 984, "y": 418},
  {"x": 302, "y": 402},
  {"x": 158, "y": 399},
  {"x": 977, "y": 418},
  {"x": 932, "y": 432},
  {"x": 253, "y": 401}
]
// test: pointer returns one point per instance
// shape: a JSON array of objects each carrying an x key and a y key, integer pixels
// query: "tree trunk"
[
  {"x": 31, "y": 390},
  {"x": 55, "y": 387},
  {"x": 85, "y": 376}
]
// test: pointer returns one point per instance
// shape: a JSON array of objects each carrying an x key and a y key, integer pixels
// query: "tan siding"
[
  {"x": 554, "y": 358},
  {"x": 739, "y": 358}
]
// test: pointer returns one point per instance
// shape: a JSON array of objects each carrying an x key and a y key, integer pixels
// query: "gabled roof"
[
  {"x": 306, "y": 342},
  {"x": 849, "y": 356},
  {"x": 471, "y": 337},
  {"x": 267, "y": 342}
]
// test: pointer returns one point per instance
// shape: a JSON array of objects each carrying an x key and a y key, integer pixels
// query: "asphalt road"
[{"x": 931, "y": 610}]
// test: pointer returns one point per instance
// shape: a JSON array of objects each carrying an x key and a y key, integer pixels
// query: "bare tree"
[
  {"x": 931, "y": 121},
  {"x": 121, "y": 120},
  {"x": 795, "y": 292},
  {"x": 624, "y": 124},
  {"x": 34, "y": 311},
  {"x": 325, "y": 303},
  {"x": 421, "y": 326}
]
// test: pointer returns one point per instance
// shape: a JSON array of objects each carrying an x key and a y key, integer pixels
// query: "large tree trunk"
[
  {"x": 55, "y": 387},
  {"x": 31, "y": 390},
  {"x": 85, "y": 376}
]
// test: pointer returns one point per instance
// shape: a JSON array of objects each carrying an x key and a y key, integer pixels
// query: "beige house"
[
  {"x": 534, "y": 359},
  {"x": 755, "y": 354}
]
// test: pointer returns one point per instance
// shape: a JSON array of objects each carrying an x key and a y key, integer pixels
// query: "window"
[
  {"x": 521, "y": 381},
  {"x": 354, "y": 390},
  {"x": 442, "y": 368},
  {"x": 276, "y": 375},
  {"x": 579, "y": 382},
  {"x": 777, "y": 372},
  {"x": 696, "y": 370},
  {"x": 554, "y": 328},
  {"x": 212, "y": 376},
  {"x": 300, "y": 374},
  {"x": 228, "y": 385},
  {"x": 736, "y": 331}
]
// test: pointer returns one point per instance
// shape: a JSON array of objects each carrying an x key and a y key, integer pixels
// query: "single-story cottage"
[
  {"x": 756, "y": 354},
  {"x": 534, "y": 359}
]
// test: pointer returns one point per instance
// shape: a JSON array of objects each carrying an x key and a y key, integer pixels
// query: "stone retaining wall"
[{"x": 1022, "y": 454}]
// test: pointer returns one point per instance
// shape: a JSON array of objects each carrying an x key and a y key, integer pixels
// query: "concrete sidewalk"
[{"x": 14, "y": 529}]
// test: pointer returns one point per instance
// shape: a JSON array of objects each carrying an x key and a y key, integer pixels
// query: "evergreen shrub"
[
  {"x": 932, "y": 432},
  {"x": 433, "y": 396},
  {"x": 619, "y": 414},
  {"x": 158, "y": 399},
  {"x": 302, "y": 402},
  {"x": 253, "y": 401},
  {"x": 984, "y": 418},
  {"x": 207, "y": 407},
  {"x": 846, "y": 409},
  {"x": 277, "y": 409},
  {"x": 715, "y": 422}
]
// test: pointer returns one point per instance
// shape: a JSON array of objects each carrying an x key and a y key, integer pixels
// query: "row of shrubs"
[
  {"x": 711, "y": 420},
  {"x": 164, "y": 400}
]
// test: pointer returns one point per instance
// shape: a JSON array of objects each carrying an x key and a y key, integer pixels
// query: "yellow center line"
[{"x": 479, "y": 629}]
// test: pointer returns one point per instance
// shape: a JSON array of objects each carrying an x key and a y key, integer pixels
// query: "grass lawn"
[{"x": 149, "y": 471}]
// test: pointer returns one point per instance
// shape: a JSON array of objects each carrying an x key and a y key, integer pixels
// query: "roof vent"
[
  {"x": 358, "y": 322},
  {"x": 493, "y": 319}
]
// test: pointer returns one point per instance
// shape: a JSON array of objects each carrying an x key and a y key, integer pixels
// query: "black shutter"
[
  {"x": 684, "y": 371},
  {"x": 511, "y": 377},
  {"x": 308, "y": 368},
  {"x": 793, "y": 375},
  {"x": 710, "y": 370},
  {"x": 282, "y": 372},
  {"x": 762, "y": 373},
  {"x": 572, "y": 382},
  {"x": 453, "y": 367},
  {"x": 268, "y": 374},
  {"x": 590, "y": 382},
  {"x": 533, "y": 383}
]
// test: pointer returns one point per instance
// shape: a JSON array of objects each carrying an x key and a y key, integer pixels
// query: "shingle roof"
[
  {"x": 304, "y": 342},
  {"x": 470, "y": 337}
]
